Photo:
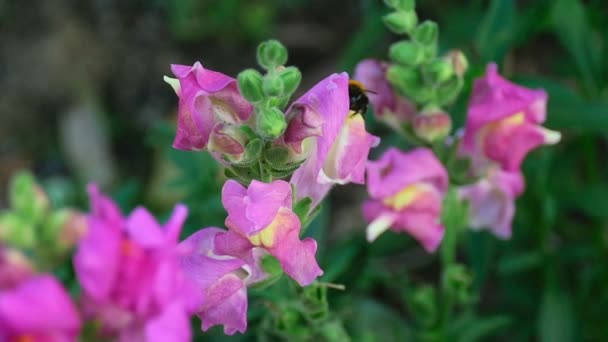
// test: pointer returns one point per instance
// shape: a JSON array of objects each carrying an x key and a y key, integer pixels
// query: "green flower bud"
[
  {"x": 27, "y": 198},
  {"x": 422, "y": 303},
  {"x": 250, "y": 85},
  {"x": 401, "y": 22},
  {"x": 440, "y": 70},
  {"x": 459, "y": 62},
  {"x": 273, "y": 86},
  {"x": 426, "y": 33},
  {"x": 271, "y": 54},
  {"x": 16, "y": 231},
  {"x": 403, "y": 5},
  {"x": 291, "y": 78},
  {"x": 457, "y": 281},
  {"x": 270, "y": 123},
  {"x": 432, "y": 126},
  {"x": 407, "y": 53}
]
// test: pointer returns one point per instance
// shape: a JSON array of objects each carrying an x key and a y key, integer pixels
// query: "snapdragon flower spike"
[
  {"x": 206, "y": 98},
  {"x": 38, "y": 309},
  {"x": 388, "y": 106},
  {"x": 492, "y": 201},
  {"x": 130, "y": 276},
  {"x": 221, "y": 279},
  {"x": 406, "y": 192},
  {"x": 261, "y": 218},
  {"x": 503, "y": 122},
  {"x": 339, "y": 145}
]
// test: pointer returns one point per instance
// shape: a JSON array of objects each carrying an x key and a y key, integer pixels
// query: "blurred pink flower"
[
  {"x": 130, "y": 275},
  {"x": 492, "y": 201},
  {"x": 503, "y": 121},
  {"x": 339, "y": 150},
  {"x": 39, "y": 310},
  {"x": 221, "y": 279},
  {"x": 388, "y": 106},
  {"x": 406, "y": 192},
  {"x": 261, "y": 216},
  {"x": 14, "y": 267},
  {"x": 206, "y": 98}
]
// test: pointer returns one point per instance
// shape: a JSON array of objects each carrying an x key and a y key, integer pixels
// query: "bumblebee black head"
[{"x": 358, "y": 99}]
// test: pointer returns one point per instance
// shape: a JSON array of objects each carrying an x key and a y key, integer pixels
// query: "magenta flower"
[
  {"x": 130, "y": 275},
  {"x": 503, "y": 121},
  {"x": 492, "y": 201},
  {"x": 38, "y": 310},
  {"x": 339, "y": 149},
  {"x": 206, "y": 98},
  {"x": 261, "y": 216},
  {"x": 221, "y": 279},
  {"x": 388, "y": 106},
  {"x": 406, "y": 191}
]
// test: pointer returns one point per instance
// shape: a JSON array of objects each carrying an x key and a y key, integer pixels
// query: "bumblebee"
[{"x": 358, "y": 99}]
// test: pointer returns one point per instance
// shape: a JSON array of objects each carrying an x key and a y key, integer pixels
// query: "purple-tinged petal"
[
  {"x": 282, "y": 239},
  {"x": 347, "y": 158},
  {"x": 97, "y": 259},
  {"x": 205, "y": 98},
  {"x": 227, "y": 305},
  {"x": 304, "y": 122},
  {"x": 492, "y": 201},
  {"x": 251, "y": 210},
  {"x": 330, "y": 99},
  {"x": 144, "y": 230},
  {"x": 39, "y": 306},
  {"x": 387, "y": 105},
  {"x": 395, "y": 170},
  {"x": 173, "y": 324},
  {"x": 504, "y": 116}
]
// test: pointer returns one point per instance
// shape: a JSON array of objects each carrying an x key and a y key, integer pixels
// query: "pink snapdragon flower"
[
  {"x": 261, "y": 218},
  {"x": 406, "y": 192},
  {"x": 38, "y": 310},
  {"x": 388, "y": 106},
  {"x": 492, "y": 201},
  {"x": 339, "y": 145},
  {"x": 222, "y": 280},
  {"x": 130, "y": 276},
  {"x": 503, "y": 122},
  {"x": 209, "y": 104}
]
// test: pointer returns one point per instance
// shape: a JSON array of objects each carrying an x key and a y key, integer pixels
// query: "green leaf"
[
  {"x": 479, "y": 329},
  {"x": 556, "y": 317},
  {"x": 497, "y": 30},
  {"x": 574, "y": 32}
]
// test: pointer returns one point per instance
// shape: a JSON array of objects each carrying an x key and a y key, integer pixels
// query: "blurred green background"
[{"x": 83, "y": 99}]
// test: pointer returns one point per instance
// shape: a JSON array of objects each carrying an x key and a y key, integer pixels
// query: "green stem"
[{"x": 447, "y": 257}]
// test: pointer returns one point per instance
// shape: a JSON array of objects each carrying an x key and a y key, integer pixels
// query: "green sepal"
[
  {"x": 401, "y": 22},
  {"x": 291, "y": 78},
  {"x": 273, "y": 268},
  {"x": 253, "y": 151},
  {"x": 273, "y": 86},
  {"x": 407, "y": 53},
  {"x": 250, "y": 85},
  {"x": 439, "y": 70},
  {"x": 403, "y": 5},
  {"x": 426, "y": 33},
  {"x": 276, "y": 156},
  {"x": 302, "y": 207},
  {"x": 422, "y": 302},
  {"x": 448, "y": 91}
]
